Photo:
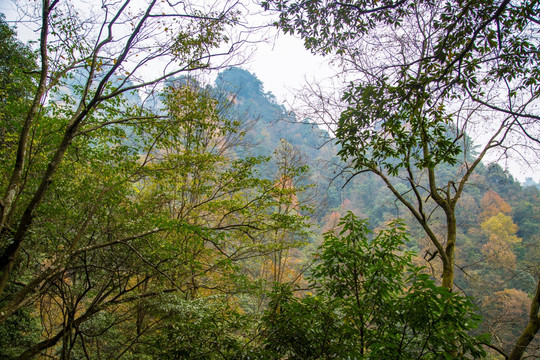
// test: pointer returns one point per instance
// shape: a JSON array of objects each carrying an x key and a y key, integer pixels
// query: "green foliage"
[
  {"x": 206, "y": 328},
  {"x": 527, "y": 215},
  {"x": 17, "y": 64},
  {"x": 17, "y": 333},
  {"x": 380, "y": 130},
  {"x": 428, "y": 55},
  {"x": 370, "y": 302},
  {"x": 149, "y": 213},
  {"x": 17, "y": 82},
  {"x": 299, "y": 329},
  {"x": 464, "y": 38},
  {"x": 138, "y": 208},
  {"x": 192, "y": 43}
]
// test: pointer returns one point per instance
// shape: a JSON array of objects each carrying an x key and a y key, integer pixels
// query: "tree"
[
  {"x": 425, "y": 75},
  {"x": 107, "y": 55},
  {"x": 290, "y": 182},
  {"x": 208, "y": 328},
  {"x": 502, "y": 238},
  {"x": 501, "y": 228},
  {"x": 492, "y": 204},
  {"x": 531, "y": 329},
  {"x": 422, "y": 84},
  {"x": 369, "y": 302},
  {"x": 159, "y": 211},
  {"x": 119, "y": 191},
  {"x": 505, "y": 313},
  {"x": 16, "y": 84},
  {"x": 527, "y": 214}
]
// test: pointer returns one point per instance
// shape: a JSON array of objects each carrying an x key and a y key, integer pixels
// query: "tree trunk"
[
  {"x": 13, "y": 187},
  {"x": 530, "y": 330},
  {"x": 448, "y": 274},
  {"x": 448, "y": 265}
]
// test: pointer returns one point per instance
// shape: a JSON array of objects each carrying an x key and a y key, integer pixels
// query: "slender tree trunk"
[
  {"x": 530, "y": 330},
  {"x": 448, "y": 274},
  {"x": 13, "y": 187},
  {"x": 448, "y": 265}
]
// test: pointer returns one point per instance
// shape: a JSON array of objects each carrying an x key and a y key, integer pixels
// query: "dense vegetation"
[{"x": 165, "y": 218}]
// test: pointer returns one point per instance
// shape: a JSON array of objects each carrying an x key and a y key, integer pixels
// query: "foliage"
[
  {"x": 505, "y": 313},
  {"x": 370, "y": 302},
  {"x": 102, "y": 66},
  {"x": 466, "y": 45},
  {"x": 16, "y": 86},
  {"x": 137, "y": 223},
  {"x": 425, "y": 75},
  {"x": 501, "y": 228},
  {"x": 481, "y": 275},
  {"x": 115, "y": 199},
  {"x": 492, "y": 204},
  {"x": 17, "y": 333},
  {"x": 206, "y": 328}
]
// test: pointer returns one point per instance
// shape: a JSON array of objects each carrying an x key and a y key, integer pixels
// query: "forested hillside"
[
  {"x": 146, "y": 214},
  {"x": 498, "y": 219}
]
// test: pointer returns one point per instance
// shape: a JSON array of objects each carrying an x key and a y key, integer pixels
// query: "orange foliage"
[
  {"x": 492, "y": 204},
  {"x": 331, "y": 221},
  {"x": 507, "y": 306},
  {"x": 498, "y": 254},
  {"x": 505, "y": 314}
]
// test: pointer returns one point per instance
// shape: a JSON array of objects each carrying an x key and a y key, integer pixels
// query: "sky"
[{"x": 283, "y": 65}]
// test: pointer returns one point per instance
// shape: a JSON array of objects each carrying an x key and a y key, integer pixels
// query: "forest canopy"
[{"x": 147, "y": 213}]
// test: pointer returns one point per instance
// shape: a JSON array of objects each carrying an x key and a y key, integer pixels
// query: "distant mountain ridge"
[{"x": 274, "y": 122}]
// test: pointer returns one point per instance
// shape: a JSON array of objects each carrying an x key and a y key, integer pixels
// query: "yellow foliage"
[{"x": 501, "y": 228}]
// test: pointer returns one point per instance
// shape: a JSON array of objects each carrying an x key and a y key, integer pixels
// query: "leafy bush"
[{"x": 370, "y": 302}]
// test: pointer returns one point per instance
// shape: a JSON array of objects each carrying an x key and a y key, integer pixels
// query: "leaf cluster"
[{"x": 370, "y": 302}]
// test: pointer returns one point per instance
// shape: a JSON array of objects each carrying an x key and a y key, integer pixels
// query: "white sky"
[{"x": 283, "y": 65}]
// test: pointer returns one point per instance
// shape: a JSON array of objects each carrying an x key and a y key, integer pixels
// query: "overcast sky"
[{"x": 285, "y": 65}]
